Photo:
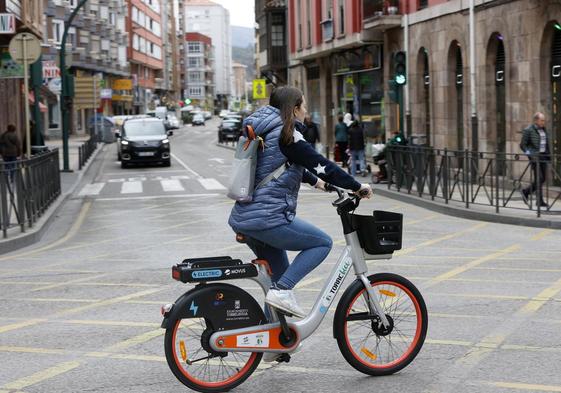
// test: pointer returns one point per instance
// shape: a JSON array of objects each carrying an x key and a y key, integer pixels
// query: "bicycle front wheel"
[{"x": 365, "y": 343}]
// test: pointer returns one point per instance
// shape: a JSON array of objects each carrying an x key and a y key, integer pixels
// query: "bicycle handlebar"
[{"x": 341, "y": 192}]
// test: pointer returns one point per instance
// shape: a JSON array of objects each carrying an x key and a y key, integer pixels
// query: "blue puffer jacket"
[{"x": 273, "y": 204}]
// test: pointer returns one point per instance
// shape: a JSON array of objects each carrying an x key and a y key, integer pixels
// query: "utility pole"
[{"x": 66, "y": 100}]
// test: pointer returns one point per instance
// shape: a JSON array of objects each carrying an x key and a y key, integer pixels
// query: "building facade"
[
  {"x": 199, "y": 60},
  {"x": 239, "y": 92},
  {"x": 96, "y": 47},
  {"x": 145, "y": 52},
  {"x": 342, "y": 54},
  {"x": 272, "y": 41},
  {"x": 213, "y": 20},
  {"x": 337, "y": 63},
  {"x": 15, "y": 16}
]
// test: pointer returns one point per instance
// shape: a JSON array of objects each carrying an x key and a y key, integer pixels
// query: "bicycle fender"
[{"x": 225, "y": 306}]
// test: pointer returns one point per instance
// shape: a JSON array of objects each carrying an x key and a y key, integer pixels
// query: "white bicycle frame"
[{"x": 352, "y": 255}]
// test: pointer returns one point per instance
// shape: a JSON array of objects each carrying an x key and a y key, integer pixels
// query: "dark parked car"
[
  {"x": 229, "y": 130},
  {"x": 143, "y": 141}
]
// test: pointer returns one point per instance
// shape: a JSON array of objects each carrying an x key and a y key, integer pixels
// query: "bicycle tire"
[{"x": 366, "y": 360}]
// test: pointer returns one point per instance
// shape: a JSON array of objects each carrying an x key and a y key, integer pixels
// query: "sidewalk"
[
  {"x": 69, "y": 181},
  {"x": 517, "y": 213}
]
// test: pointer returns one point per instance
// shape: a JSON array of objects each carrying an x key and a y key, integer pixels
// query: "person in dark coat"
[
  {"x": 356, "y": 147},
  {"x": 535, "y": 144},
  {"x": 342, "y": 139},
  {"x": 311, "y": 131},
  {"x": 10, "y": 149}
]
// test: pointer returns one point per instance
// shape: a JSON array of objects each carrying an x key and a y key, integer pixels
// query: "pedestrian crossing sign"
[{"x": 259, "y": 89}]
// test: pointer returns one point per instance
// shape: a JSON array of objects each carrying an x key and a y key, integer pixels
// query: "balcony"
[
  {"x": 278, "y": 56},
  {"x": 381, "y": 15}
]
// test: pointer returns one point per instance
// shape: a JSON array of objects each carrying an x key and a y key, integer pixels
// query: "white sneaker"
[
  {"x": 284, "y": 300},
  {"x": 269, "y": 357}
]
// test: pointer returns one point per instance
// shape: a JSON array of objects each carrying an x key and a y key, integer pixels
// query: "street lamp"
[{"x": 65, "y": 87}]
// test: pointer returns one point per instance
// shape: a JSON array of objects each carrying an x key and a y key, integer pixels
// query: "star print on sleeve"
[
  {"x": 298, "y": 136},
  {"x": 320, "y": 169}
]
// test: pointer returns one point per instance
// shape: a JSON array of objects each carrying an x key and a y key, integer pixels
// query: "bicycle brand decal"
[
  {"x": 234, "y": 271},
  {"x": 334, "y": 285},
  {"x": 207, "y": 274},
  {"x": 237, "y": 314},
  {"x": 237, "y": 304},
  {"x": 255, "y": 340}
]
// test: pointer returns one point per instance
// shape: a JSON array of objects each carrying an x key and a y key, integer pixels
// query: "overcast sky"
[{"x": 241, "y": 11}]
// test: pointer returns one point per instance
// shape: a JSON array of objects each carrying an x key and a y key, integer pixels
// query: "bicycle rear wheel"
[
  {"x": 188, "y": 341},
  {"x": 364, "y": 342}
]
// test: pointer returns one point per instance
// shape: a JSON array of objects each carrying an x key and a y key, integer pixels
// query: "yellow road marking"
[
  {"x": 20, "y": 325},
  {"x": 79, "y": 281},
  {"x": 107, "y": 302},
  {"x": 539, "y": 300},
  {"x": 409, "y": 250},
  {"x": 73, "y": 230},
  {"x": 48, "y": 351},
  {"x": 140, "y": 339},
  {"x": 110, "y": 323},
  {"x": 42, "y": 375},
  {"x": 460, "y": 269},
  {"x": 542, "y": 234},
  {"x": 526, "y": 386}
]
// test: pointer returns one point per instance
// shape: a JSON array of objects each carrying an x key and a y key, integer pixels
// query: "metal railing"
[
  {"x": 27, "y": 188},
  {"x": 476, "y": 178},
  {"x": 86, "y": 150}
]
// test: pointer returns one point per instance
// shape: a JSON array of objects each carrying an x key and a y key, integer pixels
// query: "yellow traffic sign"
[{"x": 259, "y": 89}]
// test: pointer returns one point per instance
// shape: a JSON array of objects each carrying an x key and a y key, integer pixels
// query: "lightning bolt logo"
[{"x": 194, "y": 308}]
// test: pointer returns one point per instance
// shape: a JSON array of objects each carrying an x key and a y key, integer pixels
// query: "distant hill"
[{"x": 242, "y": 36}]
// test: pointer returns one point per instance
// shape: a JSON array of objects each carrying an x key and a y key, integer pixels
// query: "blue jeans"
[
  {"x": 299, "y": 235},
  {"x": 357, "y": 155}
]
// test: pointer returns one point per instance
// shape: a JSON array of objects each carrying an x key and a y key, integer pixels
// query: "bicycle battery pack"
[{"x": 212, "y": 269}]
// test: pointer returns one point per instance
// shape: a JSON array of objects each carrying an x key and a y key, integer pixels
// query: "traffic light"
[{"x": 400, "y": 68}]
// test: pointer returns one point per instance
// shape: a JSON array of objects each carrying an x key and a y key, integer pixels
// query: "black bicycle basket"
[{"x": 379, "y": 233}]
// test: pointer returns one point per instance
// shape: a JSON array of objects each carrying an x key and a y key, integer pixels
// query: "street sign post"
[{"x": 25, "y": 49}]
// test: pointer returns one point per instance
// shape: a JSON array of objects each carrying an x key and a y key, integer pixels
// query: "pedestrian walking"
[
  {"x": 535, "y": 144},
  {"x": 356, "y": 147},
  {"x": 269, "y": 221},
  {"x": 311, "y": 131},
  {"x": 10, "y": 149},
  {"x": 341, "y": 140}
]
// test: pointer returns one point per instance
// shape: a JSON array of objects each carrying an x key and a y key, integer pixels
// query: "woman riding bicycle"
[{"x": 270, "y": 218}]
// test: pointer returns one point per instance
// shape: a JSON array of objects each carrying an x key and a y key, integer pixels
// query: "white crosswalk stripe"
[
  {"x": 211, "y": 184},
  {"x": 131, "y": 187},
  {"x": 150, "y": 185},
  {"x": 92, "y": 189},
  {"x": 171, "y": 185}
]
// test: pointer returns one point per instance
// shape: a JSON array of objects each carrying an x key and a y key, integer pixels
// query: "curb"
[
  {"x": 27, "y": 239},
  {"x": 466, "y": 213}
]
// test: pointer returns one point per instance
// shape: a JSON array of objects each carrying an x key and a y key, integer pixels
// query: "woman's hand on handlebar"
[
  {"x": 365, "y": 191},
  {"x": 320, "y": 185}
]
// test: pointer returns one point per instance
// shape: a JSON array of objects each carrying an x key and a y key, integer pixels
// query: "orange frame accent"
[{"x": 230, "y": 342}]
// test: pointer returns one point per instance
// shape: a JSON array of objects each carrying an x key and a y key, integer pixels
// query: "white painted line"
[
  {"x": 147, "y": 172},
  {"x": 211, "y": 184},
  {"x": 171, "y": 185},
  {"x": 158, "y": 197},
  {"x": 186, "y": 167},
  {"x": 131, "y": 187},
  {"x": 116, "y": 180},
  {"x": 181, "y": 177},
  {"x": 91, "y": 189}
]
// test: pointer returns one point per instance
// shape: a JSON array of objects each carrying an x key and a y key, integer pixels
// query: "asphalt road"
[{"x": 80, "y": 311}]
